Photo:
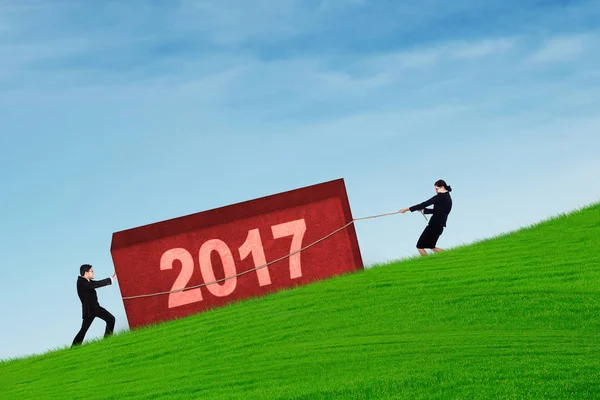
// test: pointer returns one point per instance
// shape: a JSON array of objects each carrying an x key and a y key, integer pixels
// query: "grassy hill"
[{"x": 515, "y": 316}]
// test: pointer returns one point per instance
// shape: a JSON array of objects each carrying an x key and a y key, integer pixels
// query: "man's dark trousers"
[{"x": 101, "y": 313}]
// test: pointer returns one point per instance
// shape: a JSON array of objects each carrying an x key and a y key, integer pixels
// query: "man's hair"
[{"x": 84, "y": 268}]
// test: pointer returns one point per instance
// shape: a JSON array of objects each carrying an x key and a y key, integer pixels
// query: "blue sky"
[{"x": 120, "y": 114}]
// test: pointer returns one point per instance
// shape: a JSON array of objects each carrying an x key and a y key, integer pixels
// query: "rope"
[{"x": 269, "y": 263}]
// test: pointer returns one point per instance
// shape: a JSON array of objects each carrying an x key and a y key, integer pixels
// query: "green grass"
[{"x": 516, "y": 316}]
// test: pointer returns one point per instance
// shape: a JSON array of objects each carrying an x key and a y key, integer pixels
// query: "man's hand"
[
  {"x": 404, "y": 210},
  {"x": 114, "y": 276}
]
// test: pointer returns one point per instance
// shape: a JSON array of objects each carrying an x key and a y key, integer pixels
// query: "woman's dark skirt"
[{"x": 430, "y": 236}]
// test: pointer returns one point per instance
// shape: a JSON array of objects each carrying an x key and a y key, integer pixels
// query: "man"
[{"x": 90, "y": 308}]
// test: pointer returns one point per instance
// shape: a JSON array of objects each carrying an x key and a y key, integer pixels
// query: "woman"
[{"x": 442, "y": 204}]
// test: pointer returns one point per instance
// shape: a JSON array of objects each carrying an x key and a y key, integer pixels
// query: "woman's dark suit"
[{"x": 442, "y": 204}]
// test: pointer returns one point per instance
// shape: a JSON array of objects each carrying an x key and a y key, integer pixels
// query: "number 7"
[{"x": 296, "y": 229}]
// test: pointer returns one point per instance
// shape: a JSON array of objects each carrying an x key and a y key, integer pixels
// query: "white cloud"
[
  {"x": 342, "y": 81},
  {"x": 483, "y": 48},
  {"x": 381, "y": 125},
  {"x": 332, "y": 5},
  {"x": 405, "y": 59},
  {"x": 441, "y": 52},
  {"x": 16, "y": 56},
  {"x": 231, "y": 22},
  {"x": 557, "y": 49}
]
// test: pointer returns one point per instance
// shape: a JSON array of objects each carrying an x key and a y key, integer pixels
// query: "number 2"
[{"x": 187, "y": 268}]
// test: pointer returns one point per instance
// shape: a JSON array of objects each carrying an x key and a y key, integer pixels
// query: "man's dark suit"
[{"x": 90, "y": 308}]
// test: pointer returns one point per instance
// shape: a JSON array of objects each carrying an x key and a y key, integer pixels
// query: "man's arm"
[
  {"x": 424, "y": 204},
  {"x": 428, "y": 211},
  {"x": 92, "y": 284}
]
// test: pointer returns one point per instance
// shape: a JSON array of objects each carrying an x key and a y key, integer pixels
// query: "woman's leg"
[
  {"x": 421, "y": 243},
  {"x": 438, "y": 233}
]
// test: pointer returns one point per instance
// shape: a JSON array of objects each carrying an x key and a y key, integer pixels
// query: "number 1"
[{"x": 253, "y": 245}]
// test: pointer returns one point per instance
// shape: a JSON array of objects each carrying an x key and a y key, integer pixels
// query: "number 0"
[{"x": 208, "y": 273}]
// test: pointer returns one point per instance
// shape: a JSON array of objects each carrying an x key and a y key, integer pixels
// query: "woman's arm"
[{"x": 422, "y": 205}]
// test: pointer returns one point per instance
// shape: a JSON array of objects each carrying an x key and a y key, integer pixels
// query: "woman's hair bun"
[{"x": 442, "y": 183}]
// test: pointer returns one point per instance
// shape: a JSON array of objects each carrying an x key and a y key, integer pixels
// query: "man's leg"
[
  {"x": 422, "y": 252},
  {"x": 437, "y": 249},
  {"x": 85, "y": 325},
  {"x": 109, "y": 319}
]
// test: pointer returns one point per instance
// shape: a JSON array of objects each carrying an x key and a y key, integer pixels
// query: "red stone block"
[{"x": 199, "y": 248}]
